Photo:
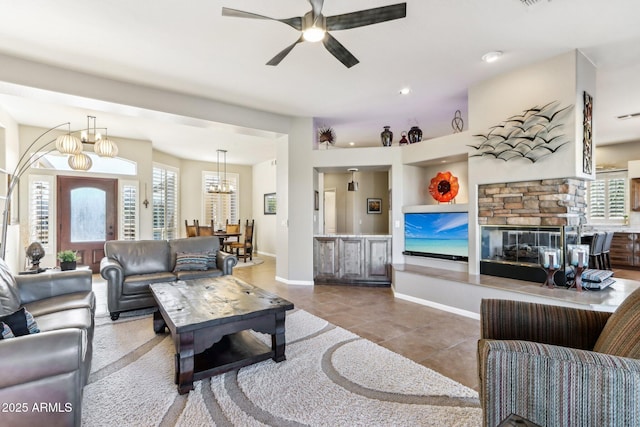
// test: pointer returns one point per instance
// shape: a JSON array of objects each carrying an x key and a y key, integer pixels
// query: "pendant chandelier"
[
  {"x": 222, "y": 186},
  {"x": 353, "y": 185},
  {"x": 102, "y": 145},
  {"x": 72, "y": 145}
]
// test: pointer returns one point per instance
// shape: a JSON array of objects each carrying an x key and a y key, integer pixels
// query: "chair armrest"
[
  {"x": 48, "y": 354},
  {"x": 557, "y": 386},
  {"x": 547, "y": 324},
  {"x": 226, "y": 261},
  {"x": 111, "y": 270},
  {"x": 43, "y": 369},
  {"x": 36, "y": 287}
]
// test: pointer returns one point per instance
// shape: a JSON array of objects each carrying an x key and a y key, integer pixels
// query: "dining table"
[{"x": 222, "y": 235}]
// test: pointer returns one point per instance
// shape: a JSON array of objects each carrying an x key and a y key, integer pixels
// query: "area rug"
[
  {"x": 331, "y": 377},
  {"x": 249, "y": 263}
]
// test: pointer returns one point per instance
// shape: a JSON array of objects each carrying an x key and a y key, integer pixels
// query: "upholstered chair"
[{"x": 559, "y": 366}]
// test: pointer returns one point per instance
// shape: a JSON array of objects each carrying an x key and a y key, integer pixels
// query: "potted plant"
[{"x": 67, "y": 259}]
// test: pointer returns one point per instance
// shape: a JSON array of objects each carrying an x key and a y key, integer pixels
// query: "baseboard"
[
  {"x": 265, "y": 254},
  {"x": 438, "y": 306},
  {"x": 294, "y": 282}
]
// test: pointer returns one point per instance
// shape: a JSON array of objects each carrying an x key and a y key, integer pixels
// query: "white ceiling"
[{"x": 189, "y": 47}]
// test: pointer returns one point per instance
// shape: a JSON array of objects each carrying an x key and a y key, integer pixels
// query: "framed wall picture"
[
  {"x": 374, "y": 206},
  {"x": 270, "y": 204}
]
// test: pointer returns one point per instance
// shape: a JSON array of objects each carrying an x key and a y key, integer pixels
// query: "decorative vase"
[
  {"x": 403, "y": 140},
  {"x": 386, "y": 136},
  {"x": 415, "y": 134},
  {"x": 67, "y": 265}
]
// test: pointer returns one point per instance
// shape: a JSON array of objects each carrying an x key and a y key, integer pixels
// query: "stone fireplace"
[
  {"x": 560, "y": 201},
  {"x": 520, "y": 220}
]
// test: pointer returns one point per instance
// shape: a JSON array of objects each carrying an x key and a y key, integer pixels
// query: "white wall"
[
  {"x": 493, "y": 101},
  {"x": 297, "y": 216},
  {"x": 9, "y": 148},
  {"x": 282, "y": 214},
  {"x": 264, "y": 181}
]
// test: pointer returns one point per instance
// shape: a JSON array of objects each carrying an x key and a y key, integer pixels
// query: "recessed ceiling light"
[
  {"x": 492, "y": 56},
  {"x": 352, "y": 143},
  {"x": 405, "y": 91}
]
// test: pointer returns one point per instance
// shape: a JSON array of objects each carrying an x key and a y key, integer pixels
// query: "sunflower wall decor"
[{"x": 444, "y": 187}]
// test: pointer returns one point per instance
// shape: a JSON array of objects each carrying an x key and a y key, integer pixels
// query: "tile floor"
[{"x": 439, "y": 340}]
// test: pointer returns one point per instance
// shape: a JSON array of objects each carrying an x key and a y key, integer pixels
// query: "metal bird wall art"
[{"x": 532, "y": 135}]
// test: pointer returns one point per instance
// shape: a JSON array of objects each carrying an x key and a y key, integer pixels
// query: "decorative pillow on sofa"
[
  {"x": 6, "y": 331},
  {"x": 21, "y": 322},
  {"x": 211, "y": 260},
  {"x": 190, "y": 261},
  {"x": 621, "y": 334}
]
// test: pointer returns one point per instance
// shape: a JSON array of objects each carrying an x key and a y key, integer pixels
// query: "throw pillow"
[
  {"x": 211, "y": 260},
  {"x": 593, "y": 275},
  {"x": 6, "y": 331},
  {"x": 21, "y": 322},
  {"x": 621, "y": 334},
  {"x": 189, "y": 261}
]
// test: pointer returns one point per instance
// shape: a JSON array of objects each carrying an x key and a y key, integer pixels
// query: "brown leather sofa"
[
  {"x": 43, "y": 374},
  {"x": 130, "y": 266}
]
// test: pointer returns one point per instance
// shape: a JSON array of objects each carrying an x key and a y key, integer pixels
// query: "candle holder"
[
  {"x": 579, "y": 257},
  {"x": 550, "y": 261}
]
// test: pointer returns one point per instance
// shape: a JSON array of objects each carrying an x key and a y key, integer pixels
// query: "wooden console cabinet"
[
  {"x": 352, "y": 259},
  {"x": 625, "y": 250}
]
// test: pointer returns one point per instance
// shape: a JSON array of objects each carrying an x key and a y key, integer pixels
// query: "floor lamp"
[{"x": 65, "y": 144}]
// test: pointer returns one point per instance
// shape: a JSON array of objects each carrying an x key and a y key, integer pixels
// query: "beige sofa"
[{"x": 130, "y": 266}]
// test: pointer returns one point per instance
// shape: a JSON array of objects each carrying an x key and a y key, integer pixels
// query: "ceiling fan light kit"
[{"x": 315, "y": 27}]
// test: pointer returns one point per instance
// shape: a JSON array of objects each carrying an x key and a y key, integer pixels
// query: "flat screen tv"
[{"x": 437, "y": 234}]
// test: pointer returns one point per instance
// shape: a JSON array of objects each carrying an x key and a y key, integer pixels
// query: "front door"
[{"x": 86, "y": 217}]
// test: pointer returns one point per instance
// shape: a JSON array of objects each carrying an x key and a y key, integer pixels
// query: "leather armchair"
[{"x": 50, "y": 367}]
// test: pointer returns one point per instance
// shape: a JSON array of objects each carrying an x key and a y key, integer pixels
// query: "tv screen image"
[{"x": 437, "y": 234}]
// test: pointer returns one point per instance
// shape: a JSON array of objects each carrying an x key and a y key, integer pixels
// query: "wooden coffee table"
[{"x": 209, "y": 321}]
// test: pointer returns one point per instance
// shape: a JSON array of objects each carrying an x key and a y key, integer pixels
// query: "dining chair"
[
  {"x": 192, "y": 230},
  {"x": 205, "y": 230},
  {"x": 595, "y": 251},
  {"x": 605, "y": 254},
  {"x": 231, "y": 228},
  {"x": 246, "y": 245}
]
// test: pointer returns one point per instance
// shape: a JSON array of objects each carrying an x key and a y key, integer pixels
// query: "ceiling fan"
[{"x": 315, "y": 26}]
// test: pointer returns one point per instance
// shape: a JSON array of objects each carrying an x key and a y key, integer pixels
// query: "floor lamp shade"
[{"x": 68, "y": 144}]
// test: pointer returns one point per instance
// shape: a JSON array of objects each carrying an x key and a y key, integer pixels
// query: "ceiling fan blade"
[
  {"x": 339, "y": 51},
  {"x": 295, "y": 22},
  {"x": 366, "y": 17},
  {"x": 316, "y": 8},
  {"x": 280, "y": 56}
]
